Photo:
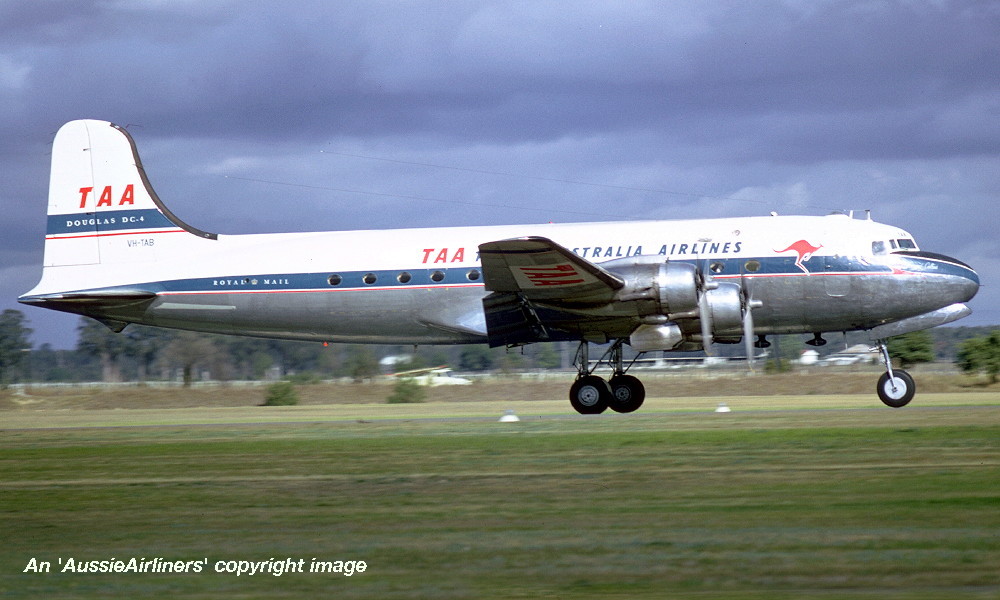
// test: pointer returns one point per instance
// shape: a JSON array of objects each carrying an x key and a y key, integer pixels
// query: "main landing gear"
[
  {"x": 895, "y": 387},
  {"x": 591, "y": 395}
]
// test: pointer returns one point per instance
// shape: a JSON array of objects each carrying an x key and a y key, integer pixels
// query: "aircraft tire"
[
  {"x": 905, "y": 389},
  {"x": 627, "y": 393},
  {"x": 590, "y": 395}
]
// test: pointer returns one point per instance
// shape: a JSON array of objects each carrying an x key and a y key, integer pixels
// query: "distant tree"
[
  {"x": 13, "y": 341},
  {"x": 281, "y": 393},
  {"x": 97, "y": 340},
  {"x": 912, "y": 348},
  {"x": 361, "y": 363},
  {"x": 144, "y": 345},
  {"x": 475, "y": 358},
  {"x": 949, "y": 339},
  {"x": 511, "y": 361},
  {"x": 981, "y": 355},
  {"x": 432, "y": 357},
  {"x": 783, "y": 351},
  {"x": 49, "y": 364},
  {"x": 547, "y": 357},
  {"x": 407, "y": 391},
  {"x": 414, "y": 362},
  {"x": 189, "y": 350}
]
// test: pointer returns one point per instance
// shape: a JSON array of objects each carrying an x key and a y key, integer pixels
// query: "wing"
[
  {"x": 541, "y": 270},
  {"x": 541, "y": 292}
]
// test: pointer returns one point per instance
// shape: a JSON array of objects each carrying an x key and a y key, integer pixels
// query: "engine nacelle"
[
  {"x": 670, "y": 294},
  {"x": 671, "y": 288},
  {"x": 649, "y": 338},
  {"x": 725, "y": 303}
]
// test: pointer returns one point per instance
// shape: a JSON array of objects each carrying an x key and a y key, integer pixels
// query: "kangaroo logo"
[{"x": 805, "y": 250}]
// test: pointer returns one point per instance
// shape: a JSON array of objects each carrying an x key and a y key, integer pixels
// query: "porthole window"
[
  {"x": 752, "y": 266},
  {"x": 437, "y": 276},
  {"x": 472, "y": 275},
  {"x": 403, "y": 277},
  {"x": 335, "y": 279},
  {"x": 717, "y": 267},
  {"x": 369, "y": 278}
]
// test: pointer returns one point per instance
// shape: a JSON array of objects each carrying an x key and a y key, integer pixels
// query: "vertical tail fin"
[
  {"x": 107, "y": 231},
  {"x": 102, "y": 209}
]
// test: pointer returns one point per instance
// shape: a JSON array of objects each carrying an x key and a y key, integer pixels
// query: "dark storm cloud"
[
  {"x": 797, "y": 105},
  {"x": 520, "y": 71}
]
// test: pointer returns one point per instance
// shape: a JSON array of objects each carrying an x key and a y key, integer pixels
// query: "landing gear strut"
[
  {"x": 895, "y": 387},
  {"x": 591, "y": 394}
]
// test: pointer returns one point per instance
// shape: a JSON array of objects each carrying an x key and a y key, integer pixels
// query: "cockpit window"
[
  {"x": 878, "y": 247},
  {"x": 906, "y": 244}
]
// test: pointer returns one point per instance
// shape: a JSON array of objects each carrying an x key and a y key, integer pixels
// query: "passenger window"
[
  {"x": 334, "y": 279},
  {"x": 403, "y": 277},
  {"x": 437, "y": 276},
  {"x": 369, "y": 278},
  {"x": 752, "y": 266},
  {"x": 472, "y": 275},
  {"x": 878, "y": 248}
]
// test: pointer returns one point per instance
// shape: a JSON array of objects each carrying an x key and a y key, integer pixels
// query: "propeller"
[
  {"x": 705, "y": 312},
  {"x": 748, "y": 331},
  {"x": 705, "y": 316},
  {"x": 748, "y": 334}
]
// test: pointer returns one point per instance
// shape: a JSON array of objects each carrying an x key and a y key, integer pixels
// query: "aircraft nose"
[{"x": 965, "y": 282}]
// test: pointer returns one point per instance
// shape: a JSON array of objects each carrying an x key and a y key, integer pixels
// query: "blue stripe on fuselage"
[
  {"x": 106, "y": 221},
  {"x": 459, "y": 276},
  {"x": 455, "y": 276}
]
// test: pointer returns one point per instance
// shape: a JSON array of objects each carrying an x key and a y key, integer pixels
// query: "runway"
[
  {"x": 782, "y": 497},
  {"x": 681, "y": 409}
]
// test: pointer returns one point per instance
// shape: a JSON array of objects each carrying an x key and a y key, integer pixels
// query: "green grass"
[{"x": 830, "y": 504}]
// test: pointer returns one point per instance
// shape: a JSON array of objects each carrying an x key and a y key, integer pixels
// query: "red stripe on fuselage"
[
  {"x": 324, "y": 291},
  {"x": 98, "y": 235}
]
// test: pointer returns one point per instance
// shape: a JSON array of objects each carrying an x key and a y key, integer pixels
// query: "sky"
[{"x": 258, "y": 116}]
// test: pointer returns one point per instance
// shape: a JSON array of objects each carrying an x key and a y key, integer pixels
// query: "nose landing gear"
[
  {"x": 895, "y": 387},
  {"x": 591, "y": 394}
]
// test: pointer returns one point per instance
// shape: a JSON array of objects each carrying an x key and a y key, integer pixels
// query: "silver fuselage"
[{"x": 350, "y": 290}]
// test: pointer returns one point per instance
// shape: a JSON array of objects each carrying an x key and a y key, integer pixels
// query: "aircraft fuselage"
[{"x": 425, "y": 286}]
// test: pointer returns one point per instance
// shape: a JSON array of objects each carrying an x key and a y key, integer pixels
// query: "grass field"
[{"x": 818, "y": 496}]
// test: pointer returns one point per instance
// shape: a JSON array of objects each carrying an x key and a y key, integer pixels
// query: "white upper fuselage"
[{"x": 339, "y": 252}]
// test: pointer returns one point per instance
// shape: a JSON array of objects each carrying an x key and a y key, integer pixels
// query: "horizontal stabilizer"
[
  {"x": 98, "y": 297},
  {"x": 97, "y": 304}
]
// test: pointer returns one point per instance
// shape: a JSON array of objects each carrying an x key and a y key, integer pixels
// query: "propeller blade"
[
  {"x": 748, "y": 334},
  {"x": 705, "y": 316}
]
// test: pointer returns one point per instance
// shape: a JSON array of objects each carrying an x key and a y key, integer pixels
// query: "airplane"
[
  {"x": 115, "y": 252},
  {"x": 433, "y": 376}
]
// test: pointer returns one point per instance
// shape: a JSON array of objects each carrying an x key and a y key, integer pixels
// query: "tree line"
[
  {"x": 141, "y": 353},
  {"x": 146, "y": 353}
]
